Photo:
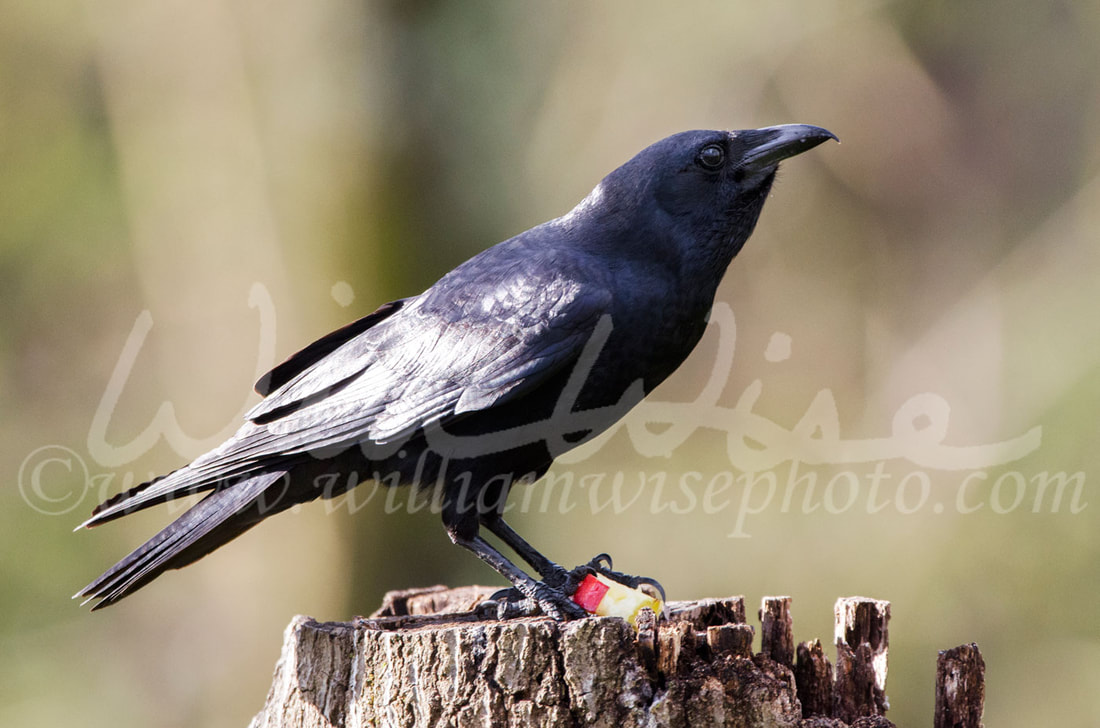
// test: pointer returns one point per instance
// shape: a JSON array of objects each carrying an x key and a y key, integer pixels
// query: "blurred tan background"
[{"x": 191, "y": 190}]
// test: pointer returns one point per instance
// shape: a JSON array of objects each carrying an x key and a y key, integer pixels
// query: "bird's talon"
[
  {"x": 601, "y": 561},
  {"x": 655, "y": 588},
  {"x": 551, "y": 601},
  {"x": 557, "y": 604},
  {"x": 560, "y": 579},
  {"x": 601, "y": 565}
]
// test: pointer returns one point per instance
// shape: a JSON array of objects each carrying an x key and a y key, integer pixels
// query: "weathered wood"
[
  {"x": 859, "y": 620},
  {"x": 703, "y": 613},
  {"x": 425, "y": 669},
  {"x": 430, "y": 657},
  {"x": 862, "y": 645},
  {"x": 777, "y": 630},
  {"x": 813, "y": 674},
  {"x": 960, "y": 688},
  {"x": 432, "y": 600},
  {"x": 872, "y": 721},
  {"x": 733, "y": 639},
  {"x": 645, "y": 644}
]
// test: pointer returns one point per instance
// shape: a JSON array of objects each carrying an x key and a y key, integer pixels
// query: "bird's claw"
[
  {"x": 507, "y": 604},
  {"x": 553, "y": 596},
  {"x": 544, "y": 599},
  {"x": 601, "y": 561},
  {"x": 601, "y": 564}
]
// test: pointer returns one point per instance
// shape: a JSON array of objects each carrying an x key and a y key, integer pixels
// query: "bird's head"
[{"x": 707, "y": 187}]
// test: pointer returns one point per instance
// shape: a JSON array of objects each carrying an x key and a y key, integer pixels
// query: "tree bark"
[{"x": 429, "y": 658}]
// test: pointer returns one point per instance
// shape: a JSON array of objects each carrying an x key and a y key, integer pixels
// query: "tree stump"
[{"x": 428, "y": 658}]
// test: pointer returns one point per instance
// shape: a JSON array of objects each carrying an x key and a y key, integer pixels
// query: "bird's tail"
[
  {"x": 212, "y": 471},
  {"x": 215, "y": 520}
]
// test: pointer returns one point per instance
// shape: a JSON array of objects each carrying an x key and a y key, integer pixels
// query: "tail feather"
[
  {"x": 215, "y": 470},
  {"x": 178, "y": 484},
  {"x": 126, "y": 495},
  {"x": 210, "y": 523}
]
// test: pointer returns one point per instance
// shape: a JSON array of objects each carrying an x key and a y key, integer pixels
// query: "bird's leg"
[
  {"x": 555, "y": 575},
  {"x": 552, "y": 601},
  {"x": 462, "y": 518},
  {"x": 551, "y": 573}
]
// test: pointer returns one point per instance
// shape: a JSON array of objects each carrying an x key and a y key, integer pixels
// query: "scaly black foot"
[
  {"x": 527, "y": 596},
  {"x": 555, "y": 576},
  {"x": 544, "y": 600},
  {"x": 553, "y": 597},
  {"x": 601, "y": 564}
]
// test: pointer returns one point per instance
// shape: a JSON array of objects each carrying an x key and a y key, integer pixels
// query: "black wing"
[
  {"x": 453, "y": 350},
  {"x": 298, "y": 362},
  {"x": 476, "y": 339}
]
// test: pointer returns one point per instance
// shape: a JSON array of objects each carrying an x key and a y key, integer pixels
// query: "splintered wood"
[
  {"x": 814, "y": 677},
  {"x": 960, "y": 688},
  {"x": 428, "y": 658},
  {"x": 776, "y": 630},
  {"x": 862, "y": 643}
]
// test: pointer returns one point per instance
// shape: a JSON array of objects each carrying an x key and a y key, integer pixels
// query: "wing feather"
[{"x": 467, "y": 344}]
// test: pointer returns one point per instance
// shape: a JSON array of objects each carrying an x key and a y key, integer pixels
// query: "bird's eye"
[{"x": 711, "y": 157}]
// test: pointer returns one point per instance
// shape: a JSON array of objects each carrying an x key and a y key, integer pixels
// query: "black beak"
[{"x": 769, "y": 146}]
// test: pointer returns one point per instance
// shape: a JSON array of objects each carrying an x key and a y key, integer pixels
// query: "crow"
[{"x": 528, "y": 349}]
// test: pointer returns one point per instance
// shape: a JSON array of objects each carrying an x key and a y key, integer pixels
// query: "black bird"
[{"x": 519, "y": 354}]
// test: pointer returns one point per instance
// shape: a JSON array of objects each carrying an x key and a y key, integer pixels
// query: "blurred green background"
[{"x": 158, "y": 160}]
